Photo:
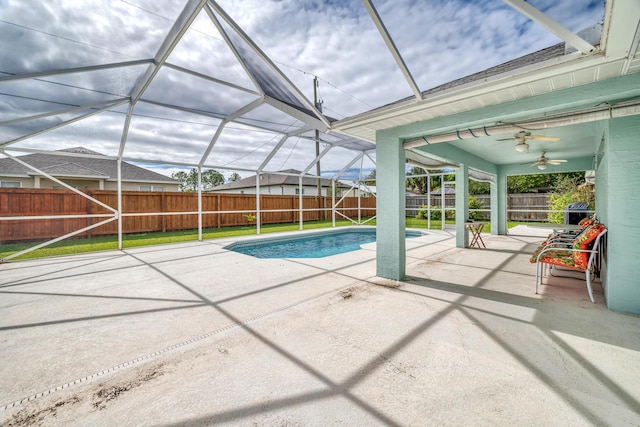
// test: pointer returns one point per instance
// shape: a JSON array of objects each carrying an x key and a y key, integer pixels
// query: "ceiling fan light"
[
  {"x": 522, "y": 147},
  {"x": 542, "y": 166}
]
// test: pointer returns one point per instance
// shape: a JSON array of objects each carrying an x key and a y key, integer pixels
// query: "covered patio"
[
  {"x": 571, "y": 107},
  {"x": 187, "y": 334}
]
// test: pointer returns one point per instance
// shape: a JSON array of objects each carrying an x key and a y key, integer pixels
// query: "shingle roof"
[
  {"x": 523, "y": 61},
  {"x": 273, "y": 179},
  {"x": 61, "y": 165}
]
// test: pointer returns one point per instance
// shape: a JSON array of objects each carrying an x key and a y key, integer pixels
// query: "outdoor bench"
[{"x": 580, "y": 253}]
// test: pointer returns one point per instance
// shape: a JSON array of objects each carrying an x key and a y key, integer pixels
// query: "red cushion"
[
  {"x": 586, "y": 221},
  {"x": 562, "y": 258},
  {"x": 584, "y": 241}
]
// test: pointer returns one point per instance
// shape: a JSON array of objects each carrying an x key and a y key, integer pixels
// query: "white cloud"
[{"x": 335, "y": 40}]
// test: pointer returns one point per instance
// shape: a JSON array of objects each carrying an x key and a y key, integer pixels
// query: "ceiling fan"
[
  {"x": 523, "y": 138},
  {"x": 543, "y": 161}
]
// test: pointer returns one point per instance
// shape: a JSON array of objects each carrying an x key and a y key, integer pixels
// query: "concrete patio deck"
[{"x": 192, "y": 334}]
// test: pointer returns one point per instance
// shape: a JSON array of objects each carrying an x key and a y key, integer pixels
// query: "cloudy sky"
[{"x": 335, "y": 40}]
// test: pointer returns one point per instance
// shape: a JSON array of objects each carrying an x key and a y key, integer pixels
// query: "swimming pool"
[{"x": 309, "y": 245}]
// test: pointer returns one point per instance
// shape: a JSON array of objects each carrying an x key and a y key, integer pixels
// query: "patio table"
[{"x": 476, "y": 229}]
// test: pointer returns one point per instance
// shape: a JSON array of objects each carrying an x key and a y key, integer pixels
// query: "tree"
[
  {"x": 477, "y": 187},
  {"x": 525, "y": 183},
  {"x": 415, "y": 182},
  {"x": 189, "y": 181},
  {"x": 569, "y": 189},
  {"x": 419, "y": 183},
  {"x": 371, "y": 178},
  {"x": 234, "y": 177}
]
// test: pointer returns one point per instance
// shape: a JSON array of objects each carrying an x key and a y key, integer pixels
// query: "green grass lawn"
[{"x": 95, "y": 244}]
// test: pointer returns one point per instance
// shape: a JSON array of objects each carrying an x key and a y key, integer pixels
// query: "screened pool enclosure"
[{"x": 196, "y": 92}]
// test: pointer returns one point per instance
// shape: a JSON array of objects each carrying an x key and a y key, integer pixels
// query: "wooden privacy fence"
[
  {"x": 173, "y": 211},
  {"x": 520, "y": 207},
  {"x": 178, "y": 211}
]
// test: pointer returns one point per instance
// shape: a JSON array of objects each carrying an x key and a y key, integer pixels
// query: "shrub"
[
  {"x": 568, "y": 190},
  {"x": 436, "y": 213},
  {"x": 474, "y": 204}
]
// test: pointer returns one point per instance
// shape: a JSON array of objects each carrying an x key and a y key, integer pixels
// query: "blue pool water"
[{"x": 317, "y": 246}]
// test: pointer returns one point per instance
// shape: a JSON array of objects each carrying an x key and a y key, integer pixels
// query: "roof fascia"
[
  {"x": 564, "y": 101},
  {"x": 546, "y": 69}
]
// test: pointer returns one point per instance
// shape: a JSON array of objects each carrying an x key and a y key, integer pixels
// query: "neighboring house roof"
[
  {"x": 80, "y": 167},
  {"x": 448, "y": 189},
  {"x": 275, "y": 179},
  {"x": 364, "y": 188}
]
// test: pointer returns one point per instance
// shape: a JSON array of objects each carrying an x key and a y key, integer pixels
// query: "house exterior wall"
[
  {"x": 85, "y": 184},
  {"x": 8, "y": 181},
  {"x": 135, "y": 186},
  {"x": 618, "y": 205}
]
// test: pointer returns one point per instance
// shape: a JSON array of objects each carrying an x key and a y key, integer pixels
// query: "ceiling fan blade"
[
  {"x": 506, "y": 139},
  {"x": 534, "y": 163},
  {"x": 556, "y": 162},
  {"x": 544, "y": 138}
]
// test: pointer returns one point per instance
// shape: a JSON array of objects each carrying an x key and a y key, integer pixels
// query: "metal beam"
[
  {"x": 550, "y": 25},
  {"x": 283, "y": 78},
  {"x": 351, "y": 163},
  {"x": 180, "y": 26},
  {"x": 57, "y": 239},
  {"x": 54, "y": 113},
  {"x": 392, "y": 48},
  {"x": 68, "y": 122},
  {"x": 76, "y": 70},
  {"x": 62, "y": 183},
  {"x": 231, "y": 46},
  {"x": 211, "y": 79},
  {"x": 317, "y": 159},
  {"x": 273, "y": 153},
  {"x": 221, "y": 117},
  {"x": 251, "y": 106}
]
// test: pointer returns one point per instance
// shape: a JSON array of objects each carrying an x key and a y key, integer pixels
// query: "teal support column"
[
  {"x": 495, "y": 221},
  {"x": 462, "y": 206},
  {"x": 501, "y": 205},
  {"x": 617, "y": 206},
  {"x": 390, "y": 207}
]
